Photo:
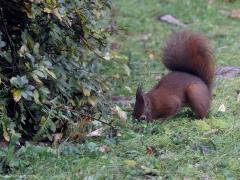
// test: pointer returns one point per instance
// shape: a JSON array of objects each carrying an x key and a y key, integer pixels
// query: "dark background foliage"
[{"x": 51, "y": 66}]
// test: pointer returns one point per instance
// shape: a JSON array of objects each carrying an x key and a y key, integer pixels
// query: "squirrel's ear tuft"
[{"x": 139, "y": 93}]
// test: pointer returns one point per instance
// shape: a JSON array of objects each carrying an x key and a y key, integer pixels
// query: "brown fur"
[{"x": 190, "y": 58}]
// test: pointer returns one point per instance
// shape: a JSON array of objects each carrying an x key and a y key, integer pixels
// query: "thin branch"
[
  {"x": 79, "y": 113},
  {"x": 91, "y": 48}
]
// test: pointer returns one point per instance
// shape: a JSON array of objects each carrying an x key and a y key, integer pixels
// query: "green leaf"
[
  {"x": 18, "y": 81},
  {"x": 27, "y": 94},
  {"x": 51, "y": 74},
  {"x": 36, "y": 79},
  {"x": 36, "y": 97},
  {"x": 39, "y": 73}
]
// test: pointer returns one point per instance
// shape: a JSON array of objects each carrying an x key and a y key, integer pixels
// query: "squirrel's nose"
[{"x": 143, "y": 117}]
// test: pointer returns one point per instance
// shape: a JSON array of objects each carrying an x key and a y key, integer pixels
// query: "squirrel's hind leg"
[{"x": 198, "y": 98}]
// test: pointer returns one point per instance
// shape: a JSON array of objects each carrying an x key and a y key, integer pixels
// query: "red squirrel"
[{"x": 189, "y": 57}]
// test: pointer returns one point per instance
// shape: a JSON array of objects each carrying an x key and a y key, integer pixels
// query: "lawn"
[{"x": 180, "y": 148}]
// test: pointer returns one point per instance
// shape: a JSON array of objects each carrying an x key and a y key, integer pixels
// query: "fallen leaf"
[
  {"x": 212, "y": 131},
  {"x": 104, "y": 148},
  {"x": 222, "y": 108},
  {"x": 171, "y": 20},
  {"x": 76, "y": 135},
  {"x": 150, "y": 150},
  {"x": 121, "y": 114},
  {"x": 146, "y": 37},
  {"x": 235, "y": 13},
  {"x": 96, "y": 133},
  {"x": 151, "y": 56},
  {"x": 87, "y": 119},
  {"x": 227, "y": 72}
]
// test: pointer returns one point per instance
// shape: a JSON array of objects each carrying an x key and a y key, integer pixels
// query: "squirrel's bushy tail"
[{"x": 189, "y": 52}]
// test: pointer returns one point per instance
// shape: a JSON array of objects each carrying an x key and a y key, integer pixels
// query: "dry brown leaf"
[
  {"x": 146, "y": 37},
  {"x": 212, "y": 131},
  {"x": 96, "y": 133},
  {"x": 222, "y": 108},
  {"x": 235, "y": 13},
  {"x": 151, "y": 56},
  {"x": 227, "y": 72},
  {"x": 171, "y": 20},
  {"x": 76, "y": 135},
  {"x": 121, "y": 114},
  {"x": 104, "y": 148},
  {"x": 150, "y": 150}
]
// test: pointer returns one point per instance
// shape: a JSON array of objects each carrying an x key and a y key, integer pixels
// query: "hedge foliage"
[{"x": 51, "y": 66}]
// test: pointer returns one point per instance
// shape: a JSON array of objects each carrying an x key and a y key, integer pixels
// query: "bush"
[{"x": 51, "y": 67}]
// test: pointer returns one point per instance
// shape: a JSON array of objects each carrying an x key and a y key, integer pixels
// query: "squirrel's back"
[{"x": 190, "y": 52}]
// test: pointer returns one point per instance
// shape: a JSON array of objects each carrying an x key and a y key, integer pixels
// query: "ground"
[{"x": 180, "y": 148}]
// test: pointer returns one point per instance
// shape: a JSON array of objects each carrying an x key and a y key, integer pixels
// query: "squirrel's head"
[{"x": 142, "y": 108}]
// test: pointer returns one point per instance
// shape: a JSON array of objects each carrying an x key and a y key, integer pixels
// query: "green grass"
[{"x": 185, "y": 148}]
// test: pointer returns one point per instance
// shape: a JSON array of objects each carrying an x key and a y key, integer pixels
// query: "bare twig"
[{"x": 67, "y": 108}]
